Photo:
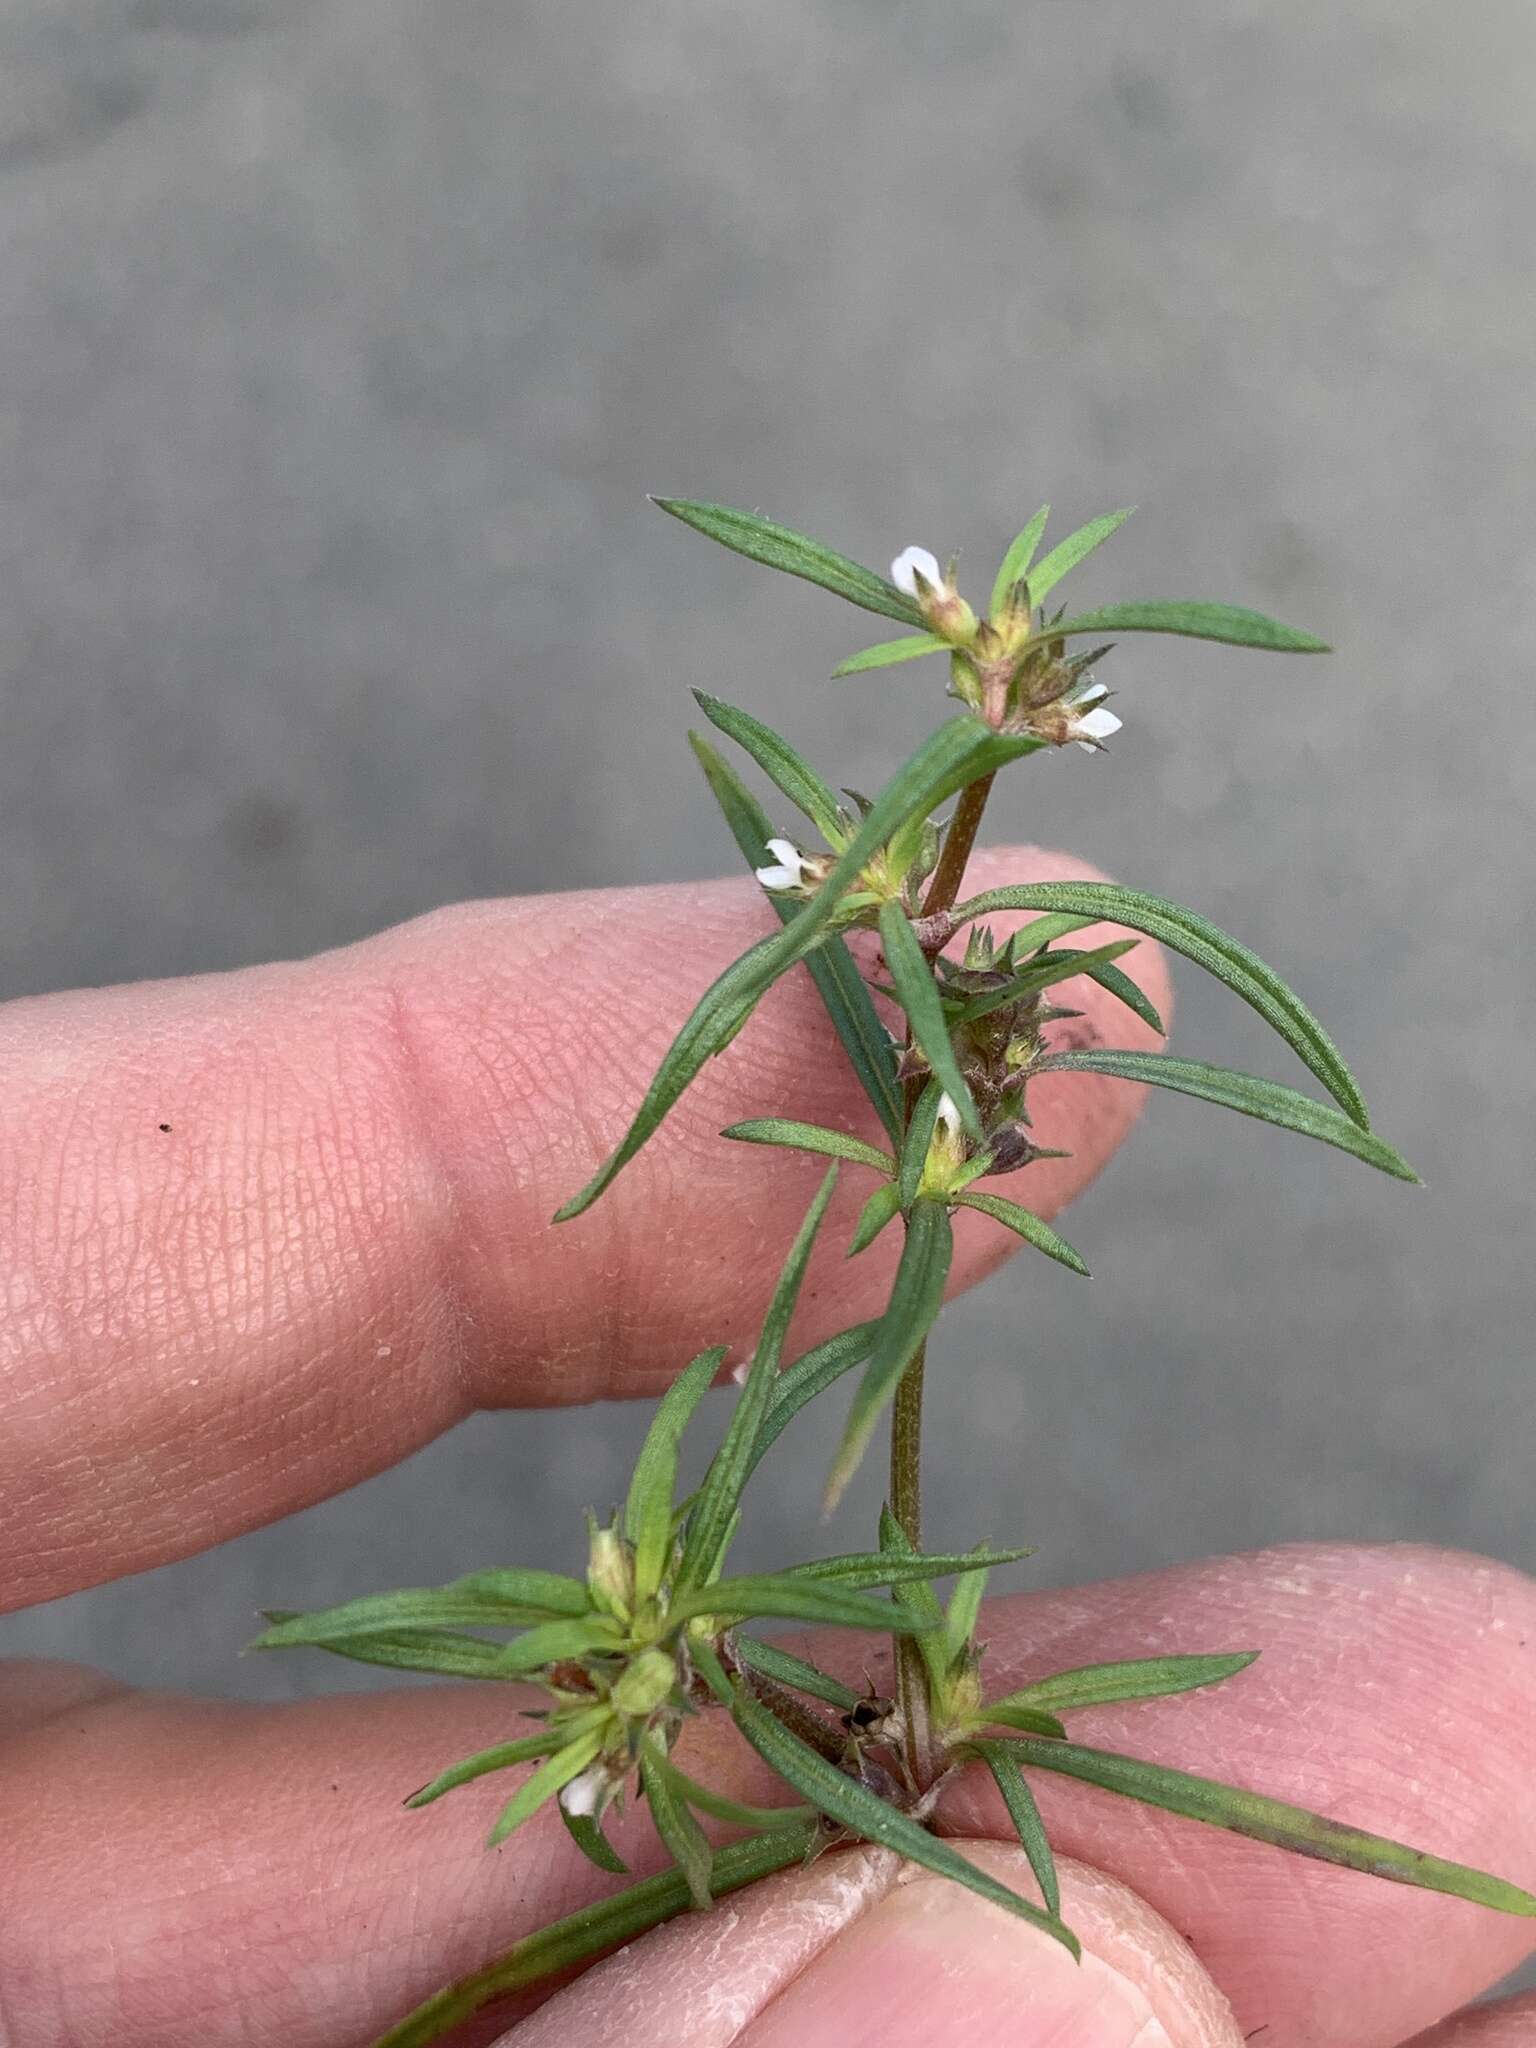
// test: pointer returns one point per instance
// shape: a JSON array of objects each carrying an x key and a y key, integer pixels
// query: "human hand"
[{"x": 340, "y": 1247}]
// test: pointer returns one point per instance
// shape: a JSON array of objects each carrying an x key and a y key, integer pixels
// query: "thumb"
[{"x": 861, "y": 1950}]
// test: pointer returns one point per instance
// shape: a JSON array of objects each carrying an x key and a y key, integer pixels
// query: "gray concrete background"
[{"x": 339, "y": 343}]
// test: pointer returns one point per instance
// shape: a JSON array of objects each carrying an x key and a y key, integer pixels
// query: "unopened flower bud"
[
  {"x": 610, "y": 1572},
  {"x": 644, "y": 1684},
  {"x": 588, "y": 1792}
]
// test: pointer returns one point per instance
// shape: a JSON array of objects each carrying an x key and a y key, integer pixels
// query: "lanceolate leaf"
[
  {"x": 1043, "y": 972},
  {"x": 919, "y": 997},
  {"x": 1195, "y": 620},
  {"x": 440, "y": 1651},
  {"x": 1029, "y": 1720},
  {"x": 593, "y": 1930},
  {"x": 778, "y": 1130},
  {"x": 1018, "y": 558},
  {"x": 1121, "y": 986},
  {"x": 730, "y": 1811},
  {"x": 776, "y": 1663},
  {"x": 916, "y": 1298},
  {"x": 779, "y": 762},
  {"x": 831, "y": 967},
  {"x": 1025, "y": 1815},
  {"x": 883, "y": 1207},
  {"x": 864, "y": 1814},
  {"x": 710, "y": 1524},
  {"x": 679, "y": 1831},
  {"x": 914, "y": 1146},
  {"x": 922, "y": 1602},
  {"x": 554, "y": 1642},
  {"x": 544, "y": 1785},
  {"x": 809, "y": 1376},
  {"x": 882, "y": 1568},
  {"x": 1270, "y": 1820},
  {"x": 964, "y": 1609},
  {"x": 783, "y": 1597},
  {"x": 889, "y": 652},
  {"x": 589, "y": 1838},
  {"x": 1183, "y": 931},
  {"x": 1032, "y": 1228},
  {"x": 501, "y": 1758},
  {"x": 956, "y": 754},
  {"x": 476, "y": 1602},
  {"x": 648, "y": 1511},
  {"x": 1068, "y": 553},
  {"x": 1138, "y": 1678},
  {"x": 780, "y": 547},
  {"x": 1247, "y": 1094}
]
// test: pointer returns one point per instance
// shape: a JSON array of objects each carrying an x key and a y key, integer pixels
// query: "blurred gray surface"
[{"x": 340, "y": 345}]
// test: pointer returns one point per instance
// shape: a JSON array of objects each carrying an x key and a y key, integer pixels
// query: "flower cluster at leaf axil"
[{"x": 947, "y": 1018}]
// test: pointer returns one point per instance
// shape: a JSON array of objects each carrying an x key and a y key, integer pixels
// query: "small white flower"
[
  {"x": 586, "y": 1791},
  {"x": 1094, "y": 725},
  {"x": 948, "y": 1115},
  {"x": 789, "y": 872},
  {"x": 1090, "y": 693},
  {"x": 916, "y": 560}
]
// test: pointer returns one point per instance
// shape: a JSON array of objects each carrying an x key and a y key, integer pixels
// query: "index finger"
[{"x": 263, "y": 1234}]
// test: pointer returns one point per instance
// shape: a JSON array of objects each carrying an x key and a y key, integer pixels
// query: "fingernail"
[{"x": 930, "y": 1965}]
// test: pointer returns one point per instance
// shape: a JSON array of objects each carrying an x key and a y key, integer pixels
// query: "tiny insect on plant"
[{"x": 658, "y": 1632}]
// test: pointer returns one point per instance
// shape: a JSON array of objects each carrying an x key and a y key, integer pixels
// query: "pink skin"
[{"x": 341, "y": 1247}]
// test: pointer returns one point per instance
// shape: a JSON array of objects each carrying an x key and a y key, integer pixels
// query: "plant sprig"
[{"x": 615, "y": 1667}]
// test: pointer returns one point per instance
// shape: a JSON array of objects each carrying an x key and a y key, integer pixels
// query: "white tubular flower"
[
  {"x": 789, "y": 869},
  {"x": 948, "y": 1115},
  {"x": 583, "y": 1796},
  {"x": 912, "y": 563}
]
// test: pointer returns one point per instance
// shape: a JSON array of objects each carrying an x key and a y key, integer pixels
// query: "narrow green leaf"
[
  {"x": 1246, "y": 1093},
  {"x": 963, "y": 1612},
  {"x": 776, "y": 1663},
  {"x": 916, "y": 1143},
  {"x": 780, "y": 547},
  {"x": 1017, "y": 560},
  {"x": 1068, "y": 553},
  {"x": 594, "y": 1930},
  {"x": 1032, "y": 1228},
  {"x": 958, "y": 753},
  {"x": 438, "y": 1651},
  {"x": 1270, "y": 1820},
  {"x": 476, "y": 1602},
  {"x": 589, "y": 1838},
  {"x": 778, "y": 1130},
  {"x": 709, "y": 1525},
  {"x": 1194, "y": 620},
  {"x": 1197, "y": 939},
  {"x": 525, "y": 1589},
  {"x": 922, "y": 1602},
  {"x": 889, "y": 652},
  {"x": 1045, "y": 931},
  {"x": 500, "y": 1758},
  {"x": 681, "y": 1834},
  {"x": 1121, "y": 986},
  {"x": 810, "y": 1376},
  {"x": 1029, "y": 1720},
  {"x": 648, "y": 1510},
  {"x": 731, "y": 1811},
  {"x": 916, "y": 1298},
  {"x": 1138, "y": 1678},
  {"x": 831, "y": 967},
  {"x": 1025, "y": 1815},
  {"x": 786, "y": 1597},
  {"x": 555, "y": 1642},
  {"x": 1045, "y": 971},
  {"x": 858, "y": 1809},
  {"x": 882, "y": 1568},
  {"x": 919, "y": 997},
  {"x": 883, "y": 1207},
  {"x": 779, "y": 762},
  {"x": 545, "y": 1784},
  {"x": 719, "y": 1014}
]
